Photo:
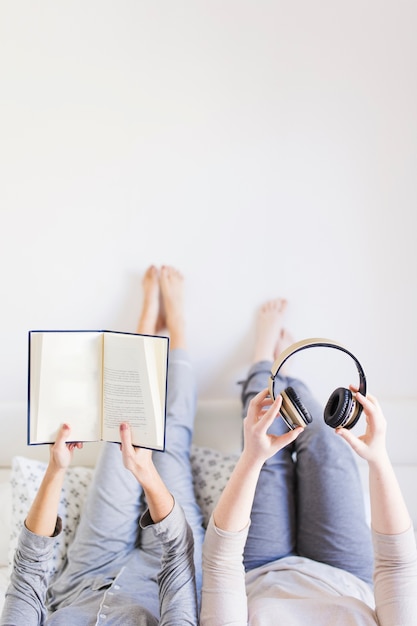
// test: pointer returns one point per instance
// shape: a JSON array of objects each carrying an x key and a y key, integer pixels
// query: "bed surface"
[{"x": 218, "y": 428}]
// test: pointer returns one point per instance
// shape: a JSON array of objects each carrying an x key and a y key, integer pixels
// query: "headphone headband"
[{"x": 316, "y": 342}]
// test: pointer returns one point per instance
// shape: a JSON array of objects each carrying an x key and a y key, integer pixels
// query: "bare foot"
[
  {"x": 171, "y": 283},
  {"x": 270, "y": 330},
  {"x": 148, "y": 319}
]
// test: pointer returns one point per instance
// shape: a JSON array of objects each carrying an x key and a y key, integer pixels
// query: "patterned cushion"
[{"x": 211, "y": 470}]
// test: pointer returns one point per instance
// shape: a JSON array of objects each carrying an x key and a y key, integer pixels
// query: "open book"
[{"x": 93, "y": 381}]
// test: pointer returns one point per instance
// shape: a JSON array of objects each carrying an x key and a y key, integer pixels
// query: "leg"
[
  {"x": 272, "y": 531},
  {"x": 174, "y": 464},
  {"x": 271, "y": 339},
  {"x": 331, "y": 523}
]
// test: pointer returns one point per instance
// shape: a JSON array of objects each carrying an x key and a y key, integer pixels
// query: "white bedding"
[{"x": 219, "y": 430}]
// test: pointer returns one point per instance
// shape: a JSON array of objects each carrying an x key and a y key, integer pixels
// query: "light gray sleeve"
[
  {"x": 25, "y": 595},
  {"x": 176, "y": 579},
  {"x": 395, "y": 579},
  {"x": 224, "y": 599}
]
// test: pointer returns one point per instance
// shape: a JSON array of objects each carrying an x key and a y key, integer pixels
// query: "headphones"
[{"x": 341, "y": 410}]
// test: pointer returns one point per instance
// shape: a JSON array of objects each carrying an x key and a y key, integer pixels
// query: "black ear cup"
[
  {"x": 340, "y": 409},
  {"x": 293, "y": 410}
]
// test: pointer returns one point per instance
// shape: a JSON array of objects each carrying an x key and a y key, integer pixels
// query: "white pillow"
[
  {"x": 211, "y": 470},
  {"x": 25, "y": 479}
]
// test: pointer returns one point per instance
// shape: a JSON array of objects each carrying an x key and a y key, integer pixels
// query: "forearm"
[
  {"x": 224, "y": 590},
  {"x": 25, "y": 596},
  {"x": 232, "y": 512},
  {"x": 43, "y": 513},
  {"x": 395, "y": 579},
  {"x": 176, "y": 578},
  {"x": 389, "y": 513}
]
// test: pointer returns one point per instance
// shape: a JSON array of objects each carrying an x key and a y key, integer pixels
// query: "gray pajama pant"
[
  {"x": 109, "y": 544},
  {"x": 309, "y": 503}
]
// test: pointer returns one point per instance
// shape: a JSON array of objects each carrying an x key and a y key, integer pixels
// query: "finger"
[
  {"x": 356, "y": 443},
  {"x": 126, "y": 447},
  {"x": 125, "y": 435},
  {"x": 63, "y": 434},
  {"x": 269, "y": 416},
  {"x": 284, "y": 440},
  {"x": 257, "y": 404},
  {"x": 266, "y": 402},
  {"x": 368, "y": 400},
  {"x": 374, "y": 416},
  {"x": 260, "y": 398},
  {"x": 292, "y": 435}
]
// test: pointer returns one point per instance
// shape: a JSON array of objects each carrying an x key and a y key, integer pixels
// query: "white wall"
[{"x": 265, "y": 148}]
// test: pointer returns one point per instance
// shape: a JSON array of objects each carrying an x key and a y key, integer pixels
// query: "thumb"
[
  {"x": 281, "y": 441},
  {"x": 125, "y": 434},
  {"x": 355, "y": 443},
  {"x": 63, "y": 434}
]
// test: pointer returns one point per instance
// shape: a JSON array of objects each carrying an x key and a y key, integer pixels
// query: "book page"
[
  {"x": 156, "y": 352},
  {"x": 132, "y": 384},
  {"x": 65, "y": 384}
]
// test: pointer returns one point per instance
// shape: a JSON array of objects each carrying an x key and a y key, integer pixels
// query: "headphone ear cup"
[
  {"x": 293, "y": 409},
  {"x": 339, "y": 408}
]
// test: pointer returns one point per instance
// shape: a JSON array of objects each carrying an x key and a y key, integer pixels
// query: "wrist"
[
  {"x": 251, "y": 460},
  {"x": 146, "y": 475},
  {"x": 380, "y": 463},
  {"x": 55, "y": 472}
]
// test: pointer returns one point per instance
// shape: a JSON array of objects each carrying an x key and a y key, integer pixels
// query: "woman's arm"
[
  {"x": 395, "y": 574},
  {"x": 389, "y": 513},
  {"x": 224, "y": 591},
  {"x": 42, "y": 516},
  {"x": 25, "y": 596},
  {"x": 233, "y": 509}
]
